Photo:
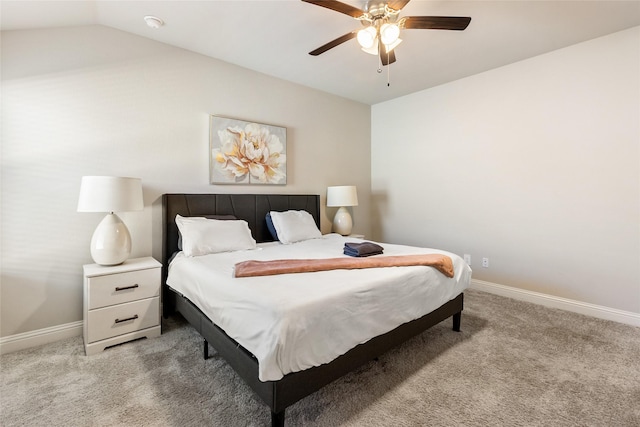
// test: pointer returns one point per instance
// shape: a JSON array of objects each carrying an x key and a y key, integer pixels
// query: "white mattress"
[{"x": 292, "y": 322}]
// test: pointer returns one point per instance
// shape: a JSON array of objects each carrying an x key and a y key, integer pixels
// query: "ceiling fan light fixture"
[
  {"x": 367, "y": 37},
  {"x": 373, "y": 50},
  {"x": 389, "y": 47},
  {"x": 389, "y": 33}
]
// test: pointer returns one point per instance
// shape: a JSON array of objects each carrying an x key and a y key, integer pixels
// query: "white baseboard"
[
  {"x": 41, "y": 336},
  {"x": 551, "y": 301}
]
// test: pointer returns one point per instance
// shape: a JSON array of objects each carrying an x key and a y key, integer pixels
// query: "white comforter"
[{"x": 292, "y": 322}]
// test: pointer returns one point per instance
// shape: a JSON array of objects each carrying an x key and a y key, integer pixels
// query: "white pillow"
[
  {"x": 295, "y": 226},
  {"x": 201, "y": 236}
]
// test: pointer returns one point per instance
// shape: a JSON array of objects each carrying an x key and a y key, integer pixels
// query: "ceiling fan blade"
[
  {"x": 437, "y": 22},
  {"x": 387, "y": 58},
  {"x": 397, "y": 4},
  {"x": 333, "y": 43},
  {"x": 347, "y": 9}
]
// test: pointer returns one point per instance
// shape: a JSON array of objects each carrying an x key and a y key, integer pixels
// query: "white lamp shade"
[
  {"x": 389, "y": 33},
  {"x": 367, "y": 37},
  {"x": 390, "y": 47},
  {"x": 373, "y": 50},
  {"x": 342, "y": 195},
  {"x": 110, "y": 194}
]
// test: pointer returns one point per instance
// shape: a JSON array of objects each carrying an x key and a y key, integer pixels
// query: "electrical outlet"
[
  {"x": 467, "y": 259},
  {"x": 485, "y": 262}
]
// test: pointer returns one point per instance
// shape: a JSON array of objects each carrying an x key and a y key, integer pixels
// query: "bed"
[{"x": 279, "y": 389}]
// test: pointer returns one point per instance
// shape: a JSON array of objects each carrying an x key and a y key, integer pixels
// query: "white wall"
[
  {"x": 94, "y": 101},
  {"x": 535, "y": 165}
]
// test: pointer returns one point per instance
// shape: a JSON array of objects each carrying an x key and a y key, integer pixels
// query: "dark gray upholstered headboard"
[{"x": 249, "y": 207}]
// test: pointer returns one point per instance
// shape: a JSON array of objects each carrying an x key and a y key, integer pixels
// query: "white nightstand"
[{"x": 121, "y": 303}]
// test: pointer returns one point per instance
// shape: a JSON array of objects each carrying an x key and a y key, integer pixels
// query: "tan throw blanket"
[{"x": 442, "y": 263}]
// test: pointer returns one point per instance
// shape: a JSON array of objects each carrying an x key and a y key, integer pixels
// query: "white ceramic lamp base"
[
  {"x": 111, "y": 242},
  {"x": 342, "y": 222}
]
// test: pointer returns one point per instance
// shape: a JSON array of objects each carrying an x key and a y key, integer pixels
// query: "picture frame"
[{"x": 244, "y": 152}]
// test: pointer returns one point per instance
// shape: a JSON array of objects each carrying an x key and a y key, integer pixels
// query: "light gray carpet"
[{"x": 513, "y": 364}]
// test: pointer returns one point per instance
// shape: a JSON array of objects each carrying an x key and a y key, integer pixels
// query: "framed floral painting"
[{"x": 246, "y": 152}]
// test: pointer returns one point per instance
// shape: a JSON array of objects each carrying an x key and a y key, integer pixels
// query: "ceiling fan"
[{"x": 382, "y": 25}]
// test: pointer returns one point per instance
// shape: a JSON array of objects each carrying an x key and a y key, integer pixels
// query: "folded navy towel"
[
  {"x": 356, "y": 254},
  {"x": 363, "y": 246},
  {"x": 362, "y": 249}
]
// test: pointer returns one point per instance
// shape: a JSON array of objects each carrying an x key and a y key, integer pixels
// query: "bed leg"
[
  {"x": 206, "y": 350},
  {"x": 277, "y": 419},
  {"x": 456, "y": 321},
  {"x": 168, "y": 303}
]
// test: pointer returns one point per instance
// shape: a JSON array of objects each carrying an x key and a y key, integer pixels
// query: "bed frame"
[{"x": 278, "y": 395}]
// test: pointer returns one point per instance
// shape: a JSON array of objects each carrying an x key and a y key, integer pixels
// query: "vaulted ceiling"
[{"x": 275, "y": 36}]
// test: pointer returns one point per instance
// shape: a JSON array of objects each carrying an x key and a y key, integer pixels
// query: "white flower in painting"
[{"x": 252, "y": 151}]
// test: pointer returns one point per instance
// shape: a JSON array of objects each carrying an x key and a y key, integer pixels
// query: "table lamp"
[
  {"x": 342, "y": 196},
  {"x": 111, "y": 241}
]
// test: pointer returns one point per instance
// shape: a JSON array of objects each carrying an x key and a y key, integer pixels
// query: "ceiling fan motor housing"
[{"x": 376, "y": 9}]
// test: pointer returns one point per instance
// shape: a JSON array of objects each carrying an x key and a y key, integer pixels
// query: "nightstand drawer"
[
  {"x": 124, "y": 318},
  {"x": 123, "y": 287}
]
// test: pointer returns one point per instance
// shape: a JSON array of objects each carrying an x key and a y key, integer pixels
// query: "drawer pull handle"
[
  {"x": 135, "y": 316},
  {"x": 124, "y": 288}
]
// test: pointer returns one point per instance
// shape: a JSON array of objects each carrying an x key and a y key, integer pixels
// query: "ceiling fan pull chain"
[
  {"x": 388, "y": 71},
  {"x": 379, "y": 60}
]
